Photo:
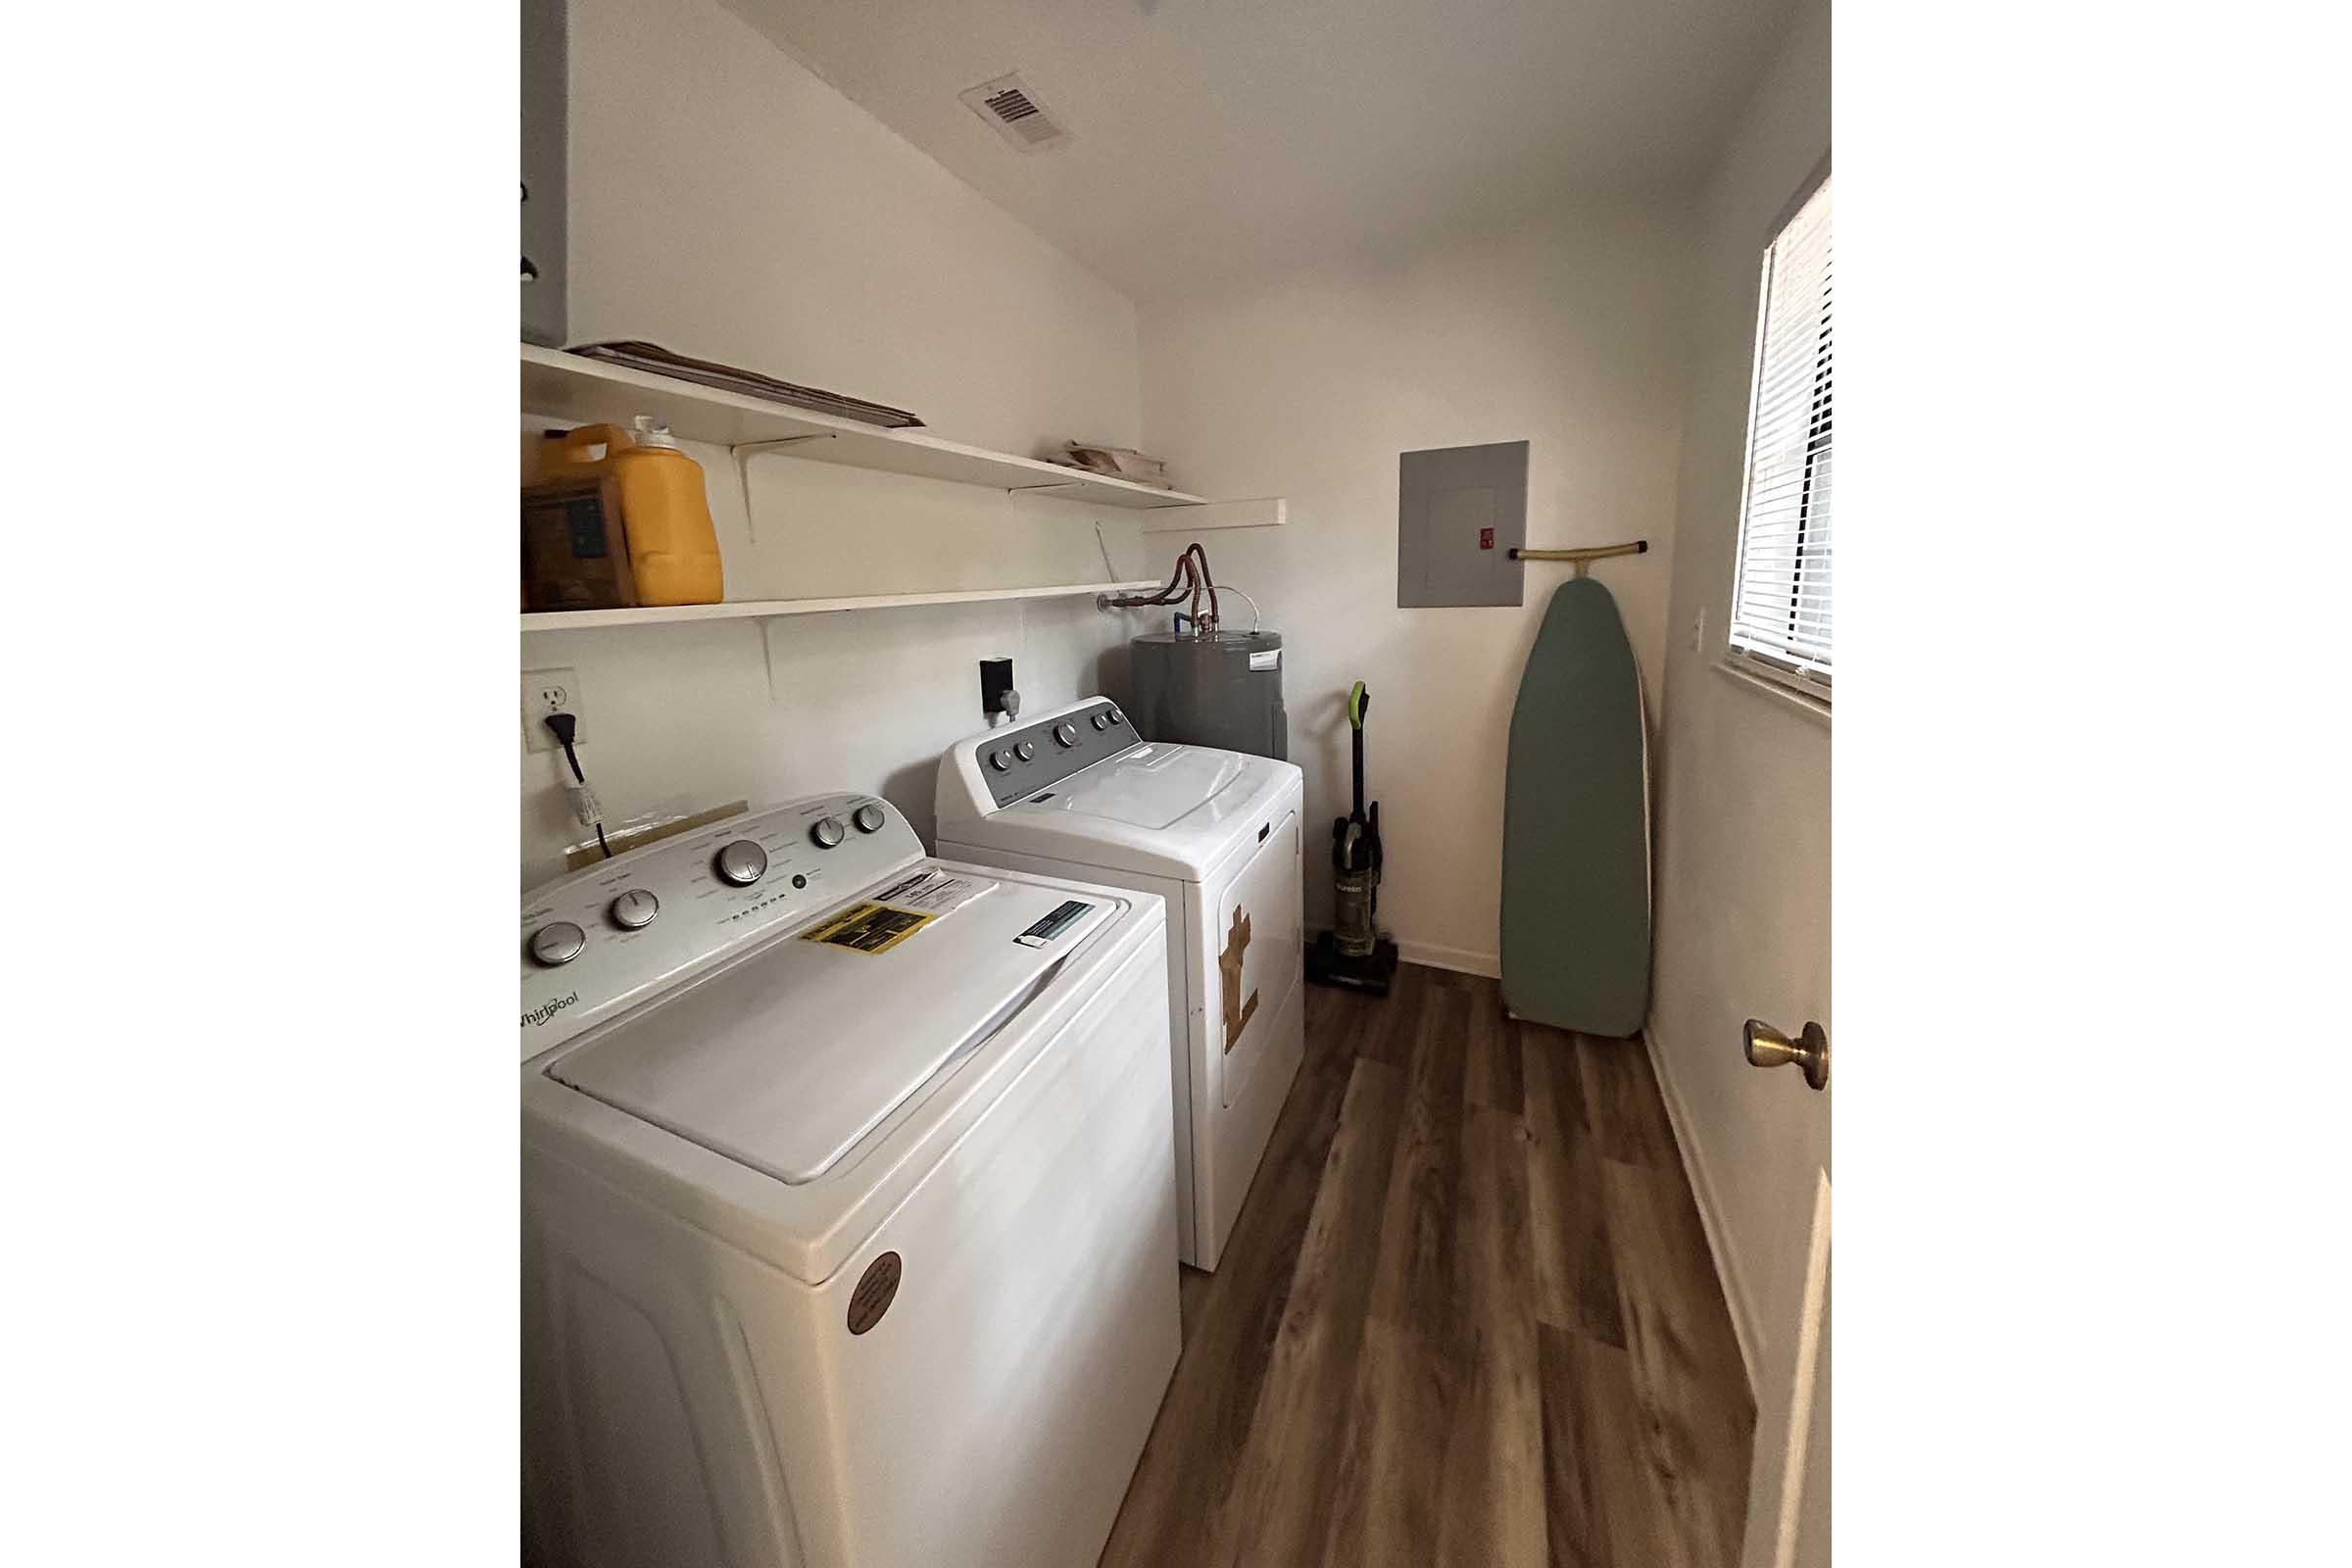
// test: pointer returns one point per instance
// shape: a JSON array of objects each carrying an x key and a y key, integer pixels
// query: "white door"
[
  {"x": 1810, "y": 1546},
  {"x": 1742, "y": 928},
  {"x": 1789, "y": 1498}
]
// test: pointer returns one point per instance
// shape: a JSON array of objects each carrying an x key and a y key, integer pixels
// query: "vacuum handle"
[
  {"x": 1357, "y": 735},
  {"x": 1358, "y": 701}
]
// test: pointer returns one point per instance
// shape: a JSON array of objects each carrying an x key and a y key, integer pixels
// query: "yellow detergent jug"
[
  {"x": 583, "y": 453},
  {"x": 674, "y": 548},
  {"x": 672, "y": 545}
]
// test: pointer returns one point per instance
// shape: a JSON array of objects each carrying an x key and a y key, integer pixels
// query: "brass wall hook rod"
[{"x": 1583, "y": 558}]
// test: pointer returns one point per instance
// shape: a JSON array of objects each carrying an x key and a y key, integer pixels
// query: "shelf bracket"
[
  {"x": 744, "y": 450},
  {"x": 742, "y": 446},
  {"x": 767, "y": 653}
]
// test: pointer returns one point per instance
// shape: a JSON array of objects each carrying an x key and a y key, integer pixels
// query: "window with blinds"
[{"x": 1779, "y": 622}]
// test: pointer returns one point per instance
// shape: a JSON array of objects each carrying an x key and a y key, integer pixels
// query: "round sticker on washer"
[{"x": 876, "y": 1288}]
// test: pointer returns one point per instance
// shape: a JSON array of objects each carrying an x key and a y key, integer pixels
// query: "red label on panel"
[{"x": 1486, "y": 538}]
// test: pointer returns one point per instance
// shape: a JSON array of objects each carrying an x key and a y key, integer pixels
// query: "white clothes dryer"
[{"x": 1215, "y": 834}]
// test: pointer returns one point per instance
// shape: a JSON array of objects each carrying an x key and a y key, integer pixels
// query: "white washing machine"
[
  {"x": 847, "y": 1203},
  {"x": 1217, "y": 835}
]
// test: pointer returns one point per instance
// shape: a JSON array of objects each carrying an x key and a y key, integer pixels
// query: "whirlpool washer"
[{"x": 847, "y": 1201}]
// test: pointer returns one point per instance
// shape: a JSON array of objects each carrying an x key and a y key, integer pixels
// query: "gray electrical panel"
[
  {"x": 1461, "y": 513},
  {"x": 546, "y": 82}
]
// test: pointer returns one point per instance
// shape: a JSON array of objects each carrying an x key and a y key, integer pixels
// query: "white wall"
[
  {"x": 1564, "y": 333},
  {"x": 1744, "y": 892},
  {"x": 727, "y": 203}
]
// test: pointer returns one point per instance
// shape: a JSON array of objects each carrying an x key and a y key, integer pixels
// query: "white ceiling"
[{"x": 1215, "y": 141}]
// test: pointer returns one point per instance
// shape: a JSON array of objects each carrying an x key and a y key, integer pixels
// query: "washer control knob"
[
  {"x": 740, "y": 863},
  {"x": 1101, "y": 722},
  {"x": 557, "y": 943},
  {"x": 828, "y": 832},
  {"x": 1001, "y": 761},
  {"x": 634, "y": 909},
  {"x": 870, "y": 817},
  {"x": 1067, "y": 734},
  {"x": 1025, "y": 750},
  {"x": 1118, "y": 717}
]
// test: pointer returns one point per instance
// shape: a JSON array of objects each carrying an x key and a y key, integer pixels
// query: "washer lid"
[
  {"x": 785, "y": 1059},
  {"x": 1164, "y": 810},
  {"x": 1151, "y": 786}
]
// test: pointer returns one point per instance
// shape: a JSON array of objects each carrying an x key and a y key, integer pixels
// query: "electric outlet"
[{"x": 550, "y": 691}]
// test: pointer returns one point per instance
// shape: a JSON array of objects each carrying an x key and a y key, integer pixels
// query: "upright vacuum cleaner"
[{"x": 1354, "y": 953}]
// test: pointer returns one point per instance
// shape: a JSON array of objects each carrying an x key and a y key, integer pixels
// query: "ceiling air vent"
[{"x": 1013, "y": 113}]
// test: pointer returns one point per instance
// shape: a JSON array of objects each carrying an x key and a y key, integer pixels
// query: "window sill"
[{"x": 1779, "y": 692}]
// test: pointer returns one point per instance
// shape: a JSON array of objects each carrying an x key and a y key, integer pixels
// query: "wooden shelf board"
[
  {"x": 757, "y": 608},
  {"x": 1266, "y": 511},
  {"x": 589, "y": 392}
]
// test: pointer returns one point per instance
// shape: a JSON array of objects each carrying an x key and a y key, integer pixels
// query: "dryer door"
[{"x": 1252, "y": 943}]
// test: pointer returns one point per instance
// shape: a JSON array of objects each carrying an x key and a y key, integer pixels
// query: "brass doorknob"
[{"x": 1767, "y": 1047}]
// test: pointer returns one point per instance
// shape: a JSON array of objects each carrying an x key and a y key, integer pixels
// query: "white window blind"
[{"x": 1781, "y": 598}]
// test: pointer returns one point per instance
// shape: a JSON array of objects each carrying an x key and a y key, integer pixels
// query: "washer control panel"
[
  {"x": 603, "y": 938},
  {"x": 1019, "y": 760}
]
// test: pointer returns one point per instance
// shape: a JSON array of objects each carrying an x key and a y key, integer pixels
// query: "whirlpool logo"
[{"x": 539, "y": 1015}]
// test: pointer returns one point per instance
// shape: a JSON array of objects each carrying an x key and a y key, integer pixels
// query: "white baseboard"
[
  {"x": 1461, "y": 960},
  {"x": 1710, "y": 1215}
]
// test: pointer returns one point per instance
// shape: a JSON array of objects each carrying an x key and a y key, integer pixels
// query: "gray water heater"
[{"x": 1221, "y": 689}]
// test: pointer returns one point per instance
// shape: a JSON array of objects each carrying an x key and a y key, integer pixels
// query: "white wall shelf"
[
  {"x": 589, "y": 392},
  {"x": 763, "y": 609},
  {"x": 1266, "y": 511}
]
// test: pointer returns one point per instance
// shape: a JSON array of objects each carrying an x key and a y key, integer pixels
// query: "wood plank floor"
[{"x": 1467, "y": 1317}]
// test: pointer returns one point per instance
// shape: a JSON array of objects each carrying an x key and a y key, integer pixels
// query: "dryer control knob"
[
  {"x": 870, "y": 817},
  {"x": 740, "y": 863},
  {"x": 1118, "y": 717},
  {"x": 558, "y": 943},
  {"x": 634, "y": 909},
  {"x": 828, "y": 832},
  {"x": 1101, "y": 722},
  {"x": 1067, "y": 734},
  {"x": 1001, "y": 761},
  {"x": 1025, "y": 750}
]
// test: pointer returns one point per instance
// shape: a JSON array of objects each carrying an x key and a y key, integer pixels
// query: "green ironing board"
[{"x": 1576, "y": 825}]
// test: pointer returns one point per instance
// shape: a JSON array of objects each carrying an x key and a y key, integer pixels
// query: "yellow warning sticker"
[{"x": 869, "y": 927}]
